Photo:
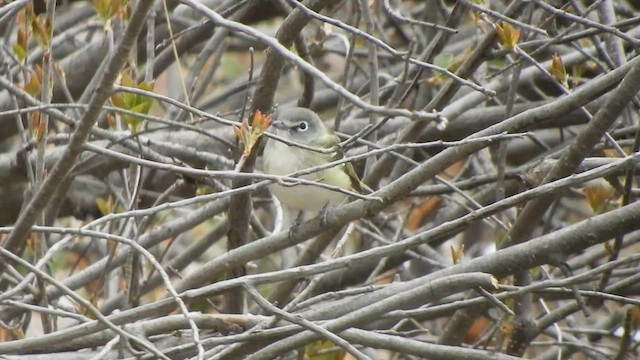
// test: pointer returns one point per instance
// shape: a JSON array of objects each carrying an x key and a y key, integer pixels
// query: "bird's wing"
[
  {"x": 356, "y": 183},
  {"x": 329, "y": 141}
]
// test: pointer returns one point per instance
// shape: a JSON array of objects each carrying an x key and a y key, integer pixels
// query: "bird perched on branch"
[{"x": 300, "y": 126}]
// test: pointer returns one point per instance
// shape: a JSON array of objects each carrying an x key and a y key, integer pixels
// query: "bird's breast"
[{"x": 281, "y": 159}]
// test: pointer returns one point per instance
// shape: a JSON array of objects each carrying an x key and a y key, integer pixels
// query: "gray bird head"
[{"x": 298, "y": 124}]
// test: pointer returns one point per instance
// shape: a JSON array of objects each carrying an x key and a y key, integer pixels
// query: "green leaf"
[
  {"x": 323, "y": 350},
  {"x": 19, "y": 51}
]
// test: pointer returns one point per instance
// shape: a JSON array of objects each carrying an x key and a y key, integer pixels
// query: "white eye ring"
[{"x": 303, "y": 126}]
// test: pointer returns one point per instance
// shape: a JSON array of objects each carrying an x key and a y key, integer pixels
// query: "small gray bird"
[{"x": 303, "y": 126}]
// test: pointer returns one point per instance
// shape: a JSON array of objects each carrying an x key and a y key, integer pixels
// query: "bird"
[{"x": 303, "y": 126}]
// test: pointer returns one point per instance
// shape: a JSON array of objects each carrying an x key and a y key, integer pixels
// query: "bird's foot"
[
  {"x": 299, "y": 219},
  {"x": 296, "y": 223},
  {"x": 324, "y": 213}
]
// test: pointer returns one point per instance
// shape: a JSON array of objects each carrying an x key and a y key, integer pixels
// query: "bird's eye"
[{"x": 303, "y": 126}]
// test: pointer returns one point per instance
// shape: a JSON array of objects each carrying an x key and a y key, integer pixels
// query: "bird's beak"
[{"x": 278, "y": 124}]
